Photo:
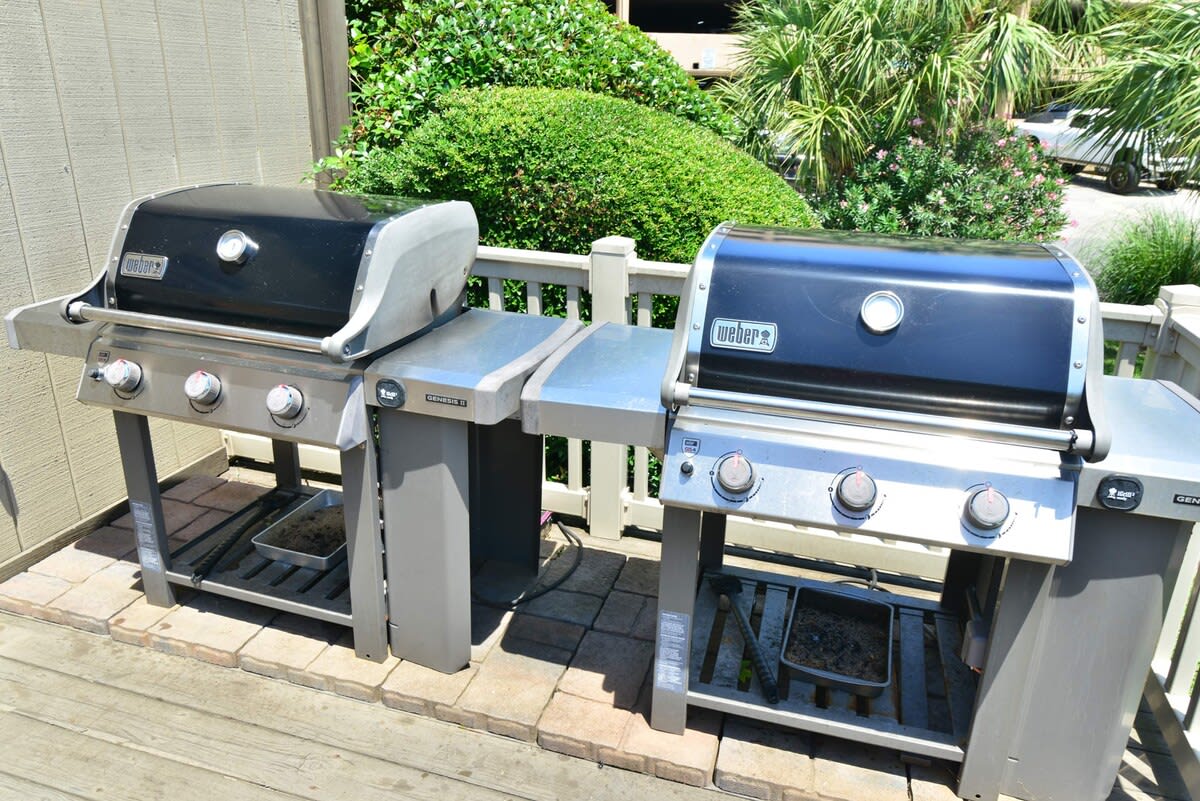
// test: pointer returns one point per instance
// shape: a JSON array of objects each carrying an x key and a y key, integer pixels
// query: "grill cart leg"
[
  {"x": 679, "y": 571},
  {"x": 712, "y": 541},
  {"x": 1007, "y": 678},
  {"x": 145, "y": 506},
  {"x": 286, "y": 456},
  {"x": 364, "y": 550},
  {"x": 1101, "y": 621},
  {"x": 425, "y": 464}
]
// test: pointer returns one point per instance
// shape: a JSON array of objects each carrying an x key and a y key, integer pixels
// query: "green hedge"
[
  {"x": 554, "y": 170},
  {"x": 990, "y": 184},
  {"x": 1156, "y": 250},
  {"x": 406, "y": 55}
]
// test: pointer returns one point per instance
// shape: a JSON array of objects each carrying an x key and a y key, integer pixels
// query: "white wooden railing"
[{"x": 1162, "y": 339}]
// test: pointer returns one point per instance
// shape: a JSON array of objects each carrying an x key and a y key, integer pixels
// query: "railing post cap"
[
  {"x": 614, "y": 246},
  {"x": 1180, "y": 295}
]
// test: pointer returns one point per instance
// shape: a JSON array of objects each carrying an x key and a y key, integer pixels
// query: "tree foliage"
[
  {"x": 1150, "y": 78},
  {"x": 405, "y": 54},
  {"x": 987, "y": 185},
  {"x": 815, "y": 75},
  {"x": 556, "y": 169}
]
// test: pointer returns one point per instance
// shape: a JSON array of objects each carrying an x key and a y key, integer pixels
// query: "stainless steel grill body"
[
  {"x": 941, "y": 393},
  {"x": 261, "y": 310}
]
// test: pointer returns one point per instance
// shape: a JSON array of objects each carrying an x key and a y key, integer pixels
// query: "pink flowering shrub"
[{"x": 989, "y": 185}]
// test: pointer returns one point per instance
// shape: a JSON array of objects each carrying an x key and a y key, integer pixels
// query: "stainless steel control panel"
[
  {"x": 997, "y": 499},
  {"x": 306, "y": 402}
]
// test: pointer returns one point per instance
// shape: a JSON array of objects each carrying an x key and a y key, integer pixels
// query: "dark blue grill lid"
[{"x": 986, "y": 328}]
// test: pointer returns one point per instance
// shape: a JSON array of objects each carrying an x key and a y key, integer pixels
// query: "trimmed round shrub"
[
  {"x": 988, "y": 185},
  {"x": 553, "y": 169},
  {"x": 404, "y": 57},
  {"x": 1153, "y": 251}
]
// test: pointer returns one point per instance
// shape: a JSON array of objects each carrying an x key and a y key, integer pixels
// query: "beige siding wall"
[{"x": 102, "y": 101}]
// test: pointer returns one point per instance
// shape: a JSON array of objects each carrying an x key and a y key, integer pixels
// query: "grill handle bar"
[
  {"x": 79, "y": 311},
  {"x": 1072, "y": 440}
]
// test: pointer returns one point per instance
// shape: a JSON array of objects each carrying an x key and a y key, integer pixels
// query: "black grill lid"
[
  {"x": 988, "y": 330},
  {"x": 301, "y": 280}
]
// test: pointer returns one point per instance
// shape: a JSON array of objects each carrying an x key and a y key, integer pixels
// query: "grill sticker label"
[
  {"x": 144, "y": 265},
  {"x": 1187, "y": 500},
  {"x": 743, "y": 335},
  {"x": 445, "y": 400},
  {"x": 146, "y": 536},
  {"x": 670, "y": 663}
]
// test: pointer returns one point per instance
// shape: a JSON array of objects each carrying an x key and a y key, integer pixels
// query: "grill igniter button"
[
  {"x": 735, "y": 473},
  {"x": 285, "y": 402},
  {"x": 856, "y": 491},
  {"x": 202, "y": 388},
  {"x": 987, "y": 509},
  {"x": 123, "y": 375}
]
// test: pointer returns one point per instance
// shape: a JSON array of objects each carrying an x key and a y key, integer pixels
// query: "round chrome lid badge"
[{"x": 881, "y": 312}]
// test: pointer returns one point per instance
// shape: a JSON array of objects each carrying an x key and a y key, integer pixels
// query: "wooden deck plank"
[
  {"x": 441, "y": 749},
  {"x": 90, "y": 768},
  {"x": 246, "y": 752},
  {"x": 16, "y": 787}
]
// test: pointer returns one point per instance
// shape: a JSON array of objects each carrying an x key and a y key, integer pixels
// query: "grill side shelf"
[{"x": 926, "y": 710}]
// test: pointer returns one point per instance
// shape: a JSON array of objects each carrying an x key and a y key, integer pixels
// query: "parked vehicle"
[{"x": 1063, "y": 131}]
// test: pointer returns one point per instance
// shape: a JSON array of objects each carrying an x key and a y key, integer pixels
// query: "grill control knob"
[
  {"x": 856, "y": 491},
  {"x": 123, "y": 375},
  {"x": 735, "y": 473},
  {"x": 285, "y": 401},
  {"x": 987, "y": 509},
  {"x": 202, "y": 388}
]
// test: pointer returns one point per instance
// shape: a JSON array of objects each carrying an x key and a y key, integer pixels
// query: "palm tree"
[
  {"x": 816, "y": 77},
  {"x": 1150, "y": 78}
]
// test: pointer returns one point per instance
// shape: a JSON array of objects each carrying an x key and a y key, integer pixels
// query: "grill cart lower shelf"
[
  {"x": 925, "y": 710},
  {"x": 231, "y": 565}
]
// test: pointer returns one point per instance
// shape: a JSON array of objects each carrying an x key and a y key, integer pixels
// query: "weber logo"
[
  {"x": 143, "y": 265},
  {"x": 1120, "y": 493},
  {"x": 445, "y": 400},
  {"x": 1187, "y": 500},
  {"x": 743, "y": 335}
]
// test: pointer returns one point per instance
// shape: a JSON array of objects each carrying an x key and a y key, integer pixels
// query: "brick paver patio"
[{"x": 569, "y": 671}]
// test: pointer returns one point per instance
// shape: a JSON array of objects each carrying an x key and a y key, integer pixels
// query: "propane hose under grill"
[{"x": 510, "y": 605}]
